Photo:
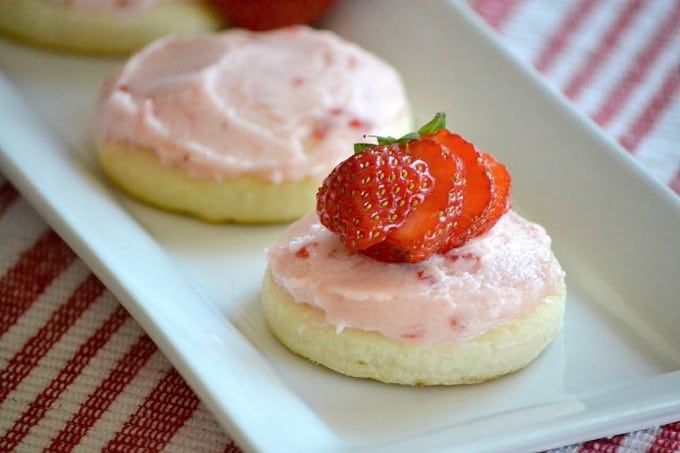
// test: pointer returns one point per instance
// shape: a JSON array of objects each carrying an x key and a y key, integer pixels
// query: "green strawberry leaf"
[
  {"x": 408, "y": 137},
  {"x": 384, "y": 140},
  {"x": 435, "y": 124},
  {"x": 359, "y": 147},
  {"x": 432, "y": 126}
]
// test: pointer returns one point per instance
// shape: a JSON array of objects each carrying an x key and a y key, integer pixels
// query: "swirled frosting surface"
[{"x": 280, "y": 105}]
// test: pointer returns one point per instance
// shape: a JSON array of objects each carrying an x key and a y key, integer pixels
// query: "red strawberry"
[
  {"x": 428, "y": 227},
  {"x": 268, "y": 14},
  {"x": 371, "y": 193},
  {"x": 448, "y": 193},
  {"x": 487, "y": 189},
  {"x": 500, "y": 193}
]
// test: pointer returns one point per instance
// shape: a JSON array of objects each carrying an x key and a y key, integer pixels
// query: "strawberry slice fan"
[{"x": 404, "y": 199}]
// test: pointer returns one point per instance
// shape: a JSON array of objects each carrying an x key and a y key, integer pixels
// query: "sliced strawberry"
[
  {"x": 429, "y": 226},
  {"x": 372, "y": 193},
  {"x": 500, "y": 193},
  {"x": 410, "y": 197},
  {"x": 477, "y": 193}
]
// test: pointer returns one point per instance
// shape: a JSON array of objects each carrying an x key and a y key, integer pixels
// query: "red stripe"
[
  {"x": 674, "y": 183},
  {"x": 35, "y": 348},
  {"x": 495, "y": 12},
  {"x": 43, "y": 402},
  {"x": 639, "y": 68},
  {"x": 596, "y": 59},
  {"x": 30, "y": 276},
  {"x": 646, "y": 121},
  {"x": 99, "y": 401},
  {"x": 667, "y": 440},
  {"x": 606, "y": 445},
  {"x": 163, "y": 413},
  {"x": 8, "y": 195},
  {"x": 559, "y": 40}
]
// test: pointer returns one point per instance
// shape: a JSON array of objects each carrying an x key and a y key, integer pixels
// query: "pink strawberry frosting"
[
  {"x": 109, "y": 6},
  {"x": 489, "y": 281},
  {"x": 280, "y": 105}
]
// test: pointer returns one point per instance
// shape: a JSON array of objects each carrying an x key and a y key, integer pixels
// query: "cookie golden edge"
[
  {"x": 242, "y": 199},
  {"x": 44, "y": 24},
  {"x": 503, "y": 350},
  {"x": 239, "y": 199}
]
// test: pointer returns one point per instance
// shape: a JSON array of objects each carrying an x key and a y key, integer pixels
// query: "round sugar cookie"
[
  {"x": 358, "y": 353},
  {"x": 242, "y": 126},
  {"x": 103, "y": 26},
  {"x": 369, "y": 319}
]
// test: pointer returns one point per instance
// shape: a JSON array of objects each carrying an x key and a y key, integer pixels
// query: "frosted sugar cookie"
[
  {"x": 468, "y": 292},
  {"x": 242, "y": 126}
]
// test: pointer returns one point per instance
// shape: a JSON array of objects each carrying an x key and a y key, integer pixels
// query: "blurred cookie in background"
[{"x": 104, "y": 26}]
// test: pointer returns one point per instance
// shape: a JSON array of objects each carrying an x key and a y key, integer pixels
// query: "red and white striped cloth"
[
  {"x": 76, "y": 372},
  {"x": 616, "y": 60}
]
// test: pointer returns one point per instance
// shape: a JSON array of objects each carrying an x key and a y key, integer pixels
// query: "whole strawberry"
[
  {"x": 405, "y": 199},
  {"x": 262, "y": 15}
]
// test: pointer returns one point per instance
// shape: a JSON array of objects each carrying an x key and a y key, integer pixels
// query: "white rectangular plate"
[{"x": 195, "y": 287}]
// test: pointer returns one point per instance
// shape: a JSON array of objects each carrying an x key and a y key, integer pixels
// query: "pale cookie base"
[
  {"x": 49, "y": 25},
  {"x": 239, "y": 199},
  {"x": 505, "y": 349}
]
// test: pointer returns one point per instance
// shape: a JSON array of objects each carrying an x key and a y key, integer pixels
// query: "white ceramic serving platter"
[{"x": 195, "y": 287}]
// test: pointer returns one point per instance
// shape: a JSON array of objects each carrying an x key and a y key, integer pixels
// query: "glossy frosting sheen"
[
  {"x": 109, "y": 6},
  {"x": 489, "y": 281},
  {"x": 281, "y": 105}
]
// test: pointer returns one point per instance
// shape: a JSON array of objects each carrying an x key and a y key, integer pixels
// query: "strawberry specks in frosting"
[
  {"x": 426, "y": 276},
  {"x": 320, "y": 131},
  {"x": 454, "y": 323},
  {"x": 302, "y": 253},
  {"x": 412, "y": 336},
  {"x": 467, "y": 262},
  {"x": 357, "y": 123}
]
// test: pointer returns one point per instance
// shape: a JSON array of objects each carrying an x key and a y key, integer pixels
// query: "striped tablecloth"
[{"x": 77, "y": 372}]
